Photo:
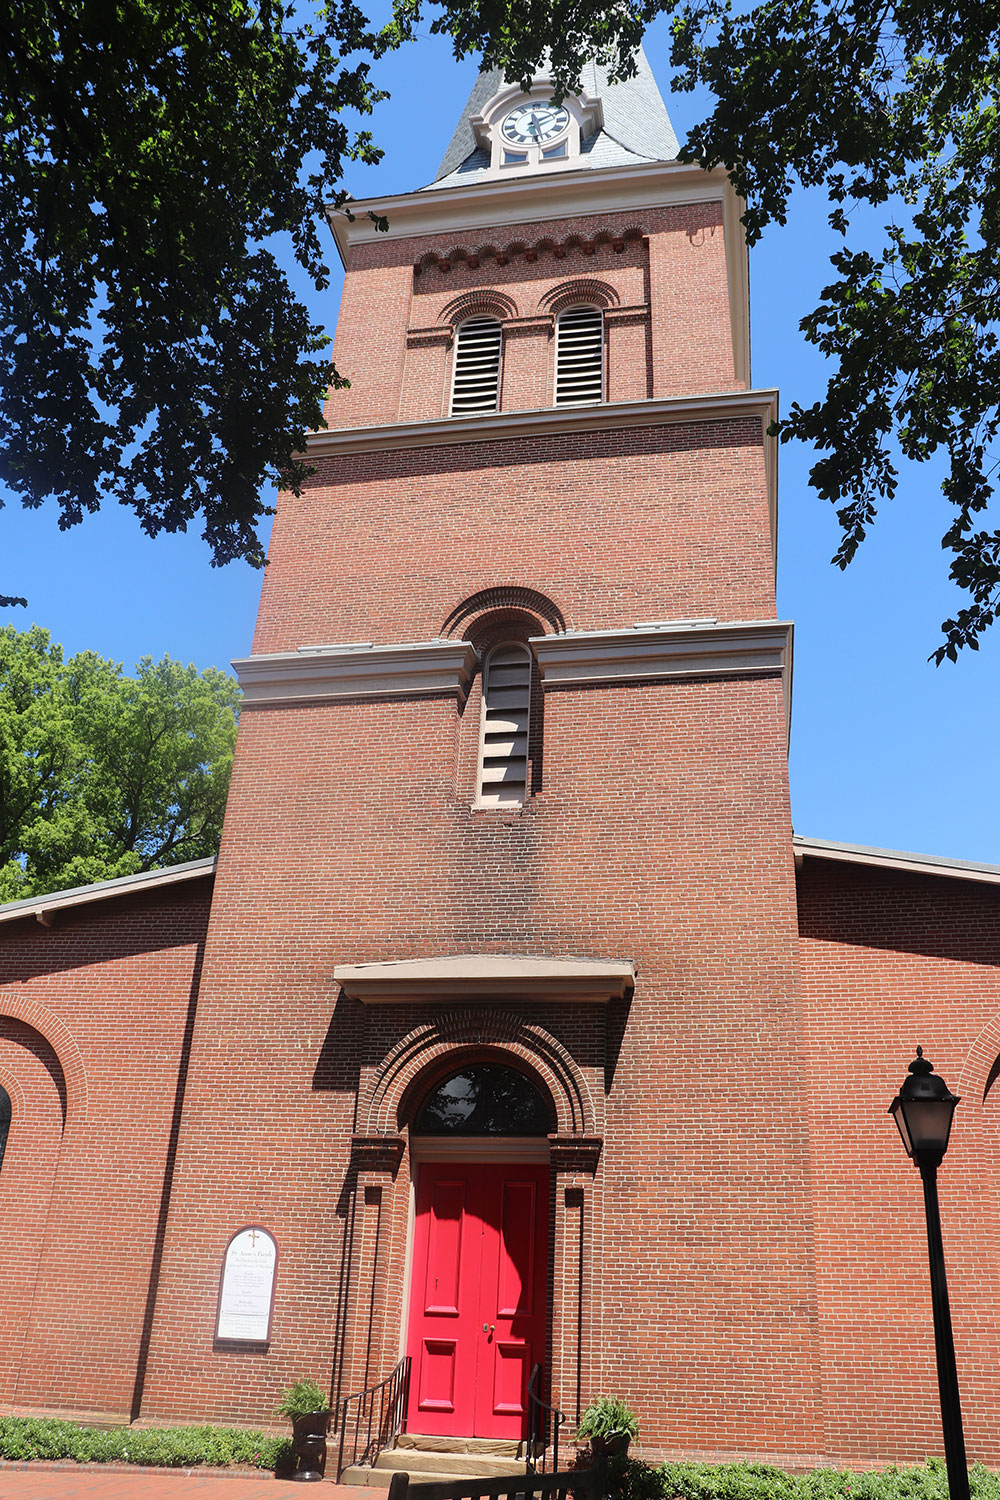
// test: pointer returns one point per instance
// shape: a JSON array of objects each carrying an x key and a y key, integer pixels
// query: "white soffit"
[
  {"x": 437, "y": 667},
  {"x": 487, "y": 976}
]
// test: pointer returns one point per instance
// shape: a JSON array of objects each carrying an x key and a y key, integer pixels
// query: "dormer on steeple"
[{"x": 506, "y": 131}]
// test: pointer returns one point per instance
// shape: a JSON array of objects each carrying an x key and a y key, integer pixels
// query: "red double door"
[{"x": 477, "y": 1301}]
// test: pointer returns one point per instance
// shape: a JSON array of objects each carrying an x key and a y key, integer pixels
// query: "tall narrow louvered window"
[
  {"x": 580, "y": 357},
  {"x": 503, "y": 766},
  {"x": 476, "y": 384}
]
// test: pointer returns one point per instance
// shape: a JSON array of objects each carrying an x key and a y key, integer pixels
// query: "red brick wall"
[
  {"x": 891, "y": 961},
  {"x": 343, "y": 845},
  {"x": 92, "y": 1022},
  {"x": 644, "y": 524}
]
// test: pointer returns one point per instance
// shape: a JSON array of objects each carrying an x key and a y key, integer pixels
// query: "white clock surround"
[{"x": 584, "y": 116}]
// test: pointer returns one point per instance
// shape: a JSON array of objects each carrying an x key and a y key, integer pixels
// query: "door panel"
[
  {"x": 477, "y": 1313},
  {"x": 515, "y": 1241},
  {"x": 447, "y": 1245}
]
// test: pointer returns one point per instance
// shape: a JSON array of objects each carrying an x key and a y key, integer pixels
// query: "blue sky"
[{"x": 886, "y": 748}]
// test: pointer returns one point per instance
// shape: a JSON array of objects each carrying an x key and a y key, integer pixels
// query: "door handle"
[{"x": 488, "y": 1327}]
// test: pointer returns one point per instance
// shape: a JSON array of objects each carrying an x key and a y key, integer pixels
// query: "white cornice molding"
[
  {"x": 487, "y": 976},
  {"x": 733, "y": 649},
  {"x": 435, "y": 667},
  {"x": 45, "y": 908},
  {"x": 713, "y": 406},
  {"x": 894, "y": 859},
  {"x": 489, "y": 205},
  {"x": 587, "y": 658}
]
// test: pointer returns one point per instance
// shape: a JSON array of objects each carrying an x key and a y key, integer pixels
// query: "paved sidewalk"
[{"x": 103, "y": 1482}]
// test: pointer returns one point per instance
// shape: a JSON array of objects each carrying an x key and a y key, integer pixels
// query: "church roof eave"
[{"x": 528, "y": 199}]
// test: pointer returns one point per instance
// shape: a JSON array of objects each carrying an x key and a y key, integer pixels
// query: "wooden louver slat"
[
  {"x": 503, "y": 769},
  {"x": 580, "y": 357},
  {"x": 476, "y": 385}
]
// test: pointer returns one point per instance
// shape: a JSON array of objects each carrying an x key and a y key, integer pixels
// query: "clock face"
[{"x": 533, "y": 124}]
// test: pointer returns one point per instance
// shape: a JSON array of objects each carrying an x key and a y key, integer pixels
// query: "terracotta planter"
[{"x": 309, "y": 1444}]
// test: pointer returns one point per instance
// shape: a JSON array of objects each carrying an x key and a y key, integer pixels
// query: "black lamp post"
[{"x": 923, "y": 1111}]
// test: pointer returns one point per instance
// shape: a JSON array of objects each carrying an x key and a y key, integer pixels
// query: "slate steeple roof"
[{"x": 636, "y": 126}]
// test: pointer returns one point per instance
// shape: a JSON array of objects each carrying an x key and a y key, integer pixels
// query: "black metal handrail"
[
  {"x": 373, "y": 1418},
  {"x": 542, "y": 1417}
]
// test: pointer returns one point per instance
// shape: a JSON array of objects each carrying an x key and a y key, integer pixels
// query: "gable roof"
[
  {"x": 43, "y": 908},
  {"x": 895, "y": 859},
  {"x": 636, "y": 126}
]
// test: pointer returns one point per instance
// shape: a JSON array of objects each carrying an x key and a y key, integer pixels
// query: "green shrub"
[
  {"x": 24, "y": 1438},
  {"x": 303, "y": 1398},
  {"x": 608, "y": 1417},
  {"x": 631, "y": 1479}
]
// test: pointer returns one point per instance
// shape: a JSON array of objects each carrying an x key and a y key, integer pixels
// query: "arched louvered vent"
[
  {"x": 503, "y": 765},
  {"x": 476, "y": 384},
  {"x": 580, "y": 357}
]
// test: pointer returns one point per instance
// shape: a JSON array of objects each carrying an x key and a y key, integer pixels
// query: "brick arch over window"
[
  {"x": 482, "y": 303},
  {"x": 72, "y": 1081},
  {"x": 506, "y": 597},
  {"x": 456, "y": 1036},
  {"x": 579, "y": 289}
]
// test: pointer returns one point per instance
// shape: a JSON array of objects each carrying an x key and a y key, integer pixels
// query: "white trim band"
[
  {"x": 591, "y": 657},
  {"x": 487, "y": 976},
  {"x": 437, "y": 667},
  {"x": 715, "y": 406}
]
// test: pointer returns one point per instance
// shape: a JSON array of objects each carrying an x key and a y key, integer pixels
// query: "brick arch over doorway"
[{"x": 393, "y": 1082}]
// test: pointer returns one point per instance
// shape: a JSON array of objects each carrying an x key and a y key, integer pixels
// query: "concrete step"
[
  {"x": 502, "y": 1447},
  {"x": 382, "y": 1478},
  {"x": 418, "y": 1463}
]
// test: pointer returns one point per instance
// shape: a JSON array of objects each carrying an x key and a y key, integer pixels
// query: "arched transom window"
[
  {"x": 503, "y": 761},
  {"x": 476, "y": 379},
  {"x": 484, "y": 1099},
  {"x": 580, "y": 356}
]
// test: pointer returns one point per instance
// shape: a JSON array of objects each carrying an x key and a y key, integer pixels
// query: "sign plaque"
[{"x": 246, "y": 1294}]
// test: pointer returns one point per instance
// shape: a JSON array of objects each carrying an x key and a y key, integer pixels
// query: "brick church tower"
[{"x": 499, "y": 1038}]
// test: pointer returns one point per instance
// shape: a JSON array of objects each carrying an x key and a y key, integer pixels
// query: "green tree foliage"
[
  {"x": 892, "y": 107},
  {"x": 102, "y": 774},
  {"x": 151, "y": 347},
  {"x": 150, "y": 344}
]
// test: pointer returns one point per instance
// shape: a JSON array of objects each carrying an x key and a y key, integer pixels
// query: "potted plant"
[
  {"x": 609, "y": 1424},
  {"x": 306, "y": 1404}
]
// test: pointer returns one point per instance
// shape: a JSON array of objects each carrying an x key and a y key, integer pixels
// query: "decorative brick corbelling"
[
  {"x": 63, "y": 1044},
  {"x": 498, "y": 1030},
  {"x": 429, "y": 667},
  {"x": 592, "y": 657},
  {"x": 575, "y": 1153},
  {"x": 377, "y": 1153}
]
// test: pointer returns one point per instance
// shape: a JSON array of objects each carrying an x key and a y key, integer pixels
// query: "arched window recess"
[
  {"x": 476, "y": 376},
  {"x": 5, "y": 1114},
  {"x": 580, "y": 356},
  {"x": 503, "y": 756}
]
